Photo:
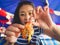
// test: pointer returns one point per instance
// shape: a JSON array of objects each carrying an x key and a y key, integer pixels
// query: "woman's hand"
[
  {"x": 43, "y": 18},
  {"x": 13, "y": 32}
]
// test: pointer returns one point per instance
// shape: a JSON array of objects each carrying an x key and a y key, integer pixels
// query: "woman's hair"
[{"x": 16, "y": 18}]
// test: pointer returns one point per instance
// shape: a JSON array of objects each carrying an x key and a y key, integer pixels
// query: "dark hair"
[{"x": 16, "y": 14}]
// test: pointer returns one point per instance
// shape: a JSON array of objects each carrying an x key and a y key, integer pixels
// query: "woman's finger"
[
  {"x": 11, "y": 39},
  {"x": 18, "y": 26},
  {"x": 9, "y": 33},
  {"x": 13, "y": 29},
  {"x": 39, "y": 9},
  {"x": 46, "y": 9}
]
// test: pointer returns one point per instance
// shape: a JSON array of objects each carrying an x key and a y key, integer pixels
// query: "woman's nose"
[{"x": 27, "y": 18}]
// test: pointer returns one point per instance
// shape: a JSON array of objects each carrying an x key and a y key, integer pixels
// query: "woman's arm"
[
  {"x": 54, "y": 32},
  {"x": 56, "y": 29}
]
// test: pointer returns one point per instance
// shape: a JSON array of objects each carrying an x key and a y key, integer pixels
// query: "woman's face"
[{"x": 25, "y": 13}]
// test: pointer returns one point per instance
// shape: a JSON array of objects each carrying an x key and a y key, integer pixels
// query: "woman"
[{"x": 26, "y": 12}]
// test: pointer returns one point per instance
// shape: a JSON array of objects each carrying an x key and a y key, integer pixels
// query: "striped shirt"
[{"x": 34, "y": 40}]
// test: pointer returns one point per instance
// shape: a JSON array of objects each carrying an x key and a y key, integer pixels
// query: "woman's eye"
[
  {"x": 22, "y": 14},
  {"x": 30, "y": 13}
]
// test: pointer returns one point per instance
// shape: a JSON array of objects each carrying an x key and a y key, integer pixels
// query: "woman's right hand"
[{"x": 13, "y": 32}]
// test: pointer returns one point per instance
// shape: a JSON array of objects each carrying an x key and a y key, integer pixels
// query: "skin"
[
  {"x": 25, "y": 14},
  {"x": 45, "y": 21}
]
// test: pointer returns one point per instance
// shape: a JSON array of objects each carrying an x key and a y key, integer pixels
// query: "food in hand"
[{"x": 28, "y": 30}]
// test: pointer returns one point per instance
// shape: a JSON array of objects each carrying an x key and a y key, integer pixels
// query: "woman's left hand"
[{"x": 43, "y": 18}]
